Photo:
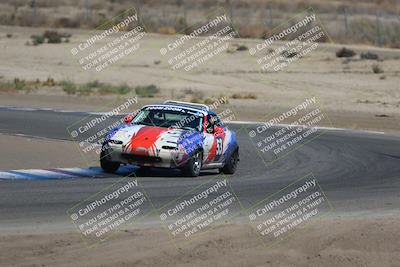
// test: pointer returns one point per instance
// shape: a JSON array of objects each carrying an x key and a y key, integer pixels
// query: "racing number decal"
[{"x": 219, "y": 149}]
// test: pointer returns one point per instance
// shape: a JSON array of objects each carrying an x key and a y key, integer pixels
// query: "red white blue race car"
[{"x": 174, "y": 134}]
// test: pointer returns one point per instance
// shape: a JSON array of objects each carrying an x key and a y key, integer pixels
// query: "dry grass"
[{"x": 244, "y": 96}]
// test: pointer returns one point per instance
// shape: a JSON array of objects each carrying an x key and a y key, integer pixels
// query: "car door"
[{"x": 214, "y": 139}]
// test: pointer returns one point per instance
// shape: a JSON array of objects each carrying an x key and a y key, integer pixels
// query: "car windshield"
[{"x": 170, "y": 117}]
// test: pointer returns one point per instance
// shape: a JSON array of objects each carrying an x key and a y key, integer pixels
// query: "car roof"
[
  {"x": 196, "y": 106},
  {"x": 185, "y": 107}
]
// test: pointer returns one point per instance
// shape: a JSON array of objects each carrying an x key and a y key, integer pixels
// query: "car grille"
[{"x": 139, "y": 158}]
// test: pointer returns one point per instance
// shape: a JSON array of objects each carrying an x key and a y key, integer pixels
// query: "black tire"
[
  {"x": 107, "y": 165},
  {"x": 231, "y": 163},
  {"x": 144, "y": 169},
  {"x": 193, "y": 165}
]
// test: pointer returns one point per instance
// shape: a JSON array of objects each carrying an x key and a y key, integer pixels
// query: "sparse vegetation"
[
  {"x": 369, "y": 55},
  {"x": 51, "y": 37},
  {"x": 377, "y": 69},
  {"x": 15, "y": 85},
  {"x": 344, "y": 52},
  {"x": 147, "y": 90},
  {"x": 71, "y": 88},
  {"x": 244, "y": 96},
  {"x": 242, "y": 48},
  {"x": 93, "y": 87},
  {"x": 68, "y": 87},
  {"x": 121, "y": 89},
  {"x": 37, "y": 39}
]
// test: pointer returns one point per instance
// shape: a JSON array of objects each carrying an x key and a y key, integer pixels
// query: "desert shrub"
[
  {"x": 19, "y": 84},
  {"x": 369, "y": 55},
  {"x": 344, "y": 52},
  {"x": 94, "y": 84},
  {"x": 9, "y": 35},
  {"x": 244, "y": 96},
  {"x": 49, "y": 82},
  {"x": 376, "y": 69},
  {"x": 104, "y": 89},
  {"x": 147, "y": 90},
  {"x": 242, "y": 48},
  {"x": 84, "y": 90},
  {"x": 16, "y": 84},
  {"x": 37, "y": 39},
  {"x": 123, "y": 89},
  {"x": 68, "y": 87},
  {"x": 53, "y": 37}
]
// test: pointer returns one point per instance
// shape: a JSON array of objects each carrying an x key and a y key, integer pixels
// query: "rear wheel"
[
  {"x": 193, "y": 166},
  {"x": 231, "y": 164},
  {"x": 106, "y": 164}
]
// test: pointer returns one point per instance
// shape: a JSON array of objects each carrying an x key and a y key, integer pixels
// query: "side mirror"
[{"x": 128, "y": 119}]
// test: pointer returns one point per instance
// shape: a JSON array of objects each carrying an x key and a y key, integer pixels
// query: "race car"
[{"x": 174, "y": 134}]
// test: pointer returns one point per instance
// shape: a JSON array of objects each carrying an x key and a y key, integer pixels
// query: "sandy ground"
[
  {"x": 334, "y": 241},
  {"x": 350, "y": 94}
]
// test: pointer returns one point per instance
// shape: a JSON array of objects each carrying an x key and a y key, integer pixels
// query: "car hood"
[{"x": 147, "y": 140}]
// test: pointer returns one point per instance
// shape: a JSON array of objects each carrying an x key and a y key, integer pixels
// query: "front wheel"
[
  {"x": 231, "y": 163},
  {"x": 107, "y": 165},
  {"x": 193, "y": 166}
]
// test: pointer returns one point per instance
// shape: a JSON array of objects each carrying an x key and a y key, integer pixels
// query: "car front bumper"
[{"x": 164, "y": 158}]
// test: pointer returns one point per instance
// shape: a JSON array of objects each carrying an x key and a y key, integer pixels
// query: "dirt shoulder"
[{"x": 339, "y": 241}]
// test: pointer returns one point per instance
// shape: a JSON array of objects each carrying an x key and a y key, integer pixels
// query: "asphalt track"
[{"x": 359, "y": 173}]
